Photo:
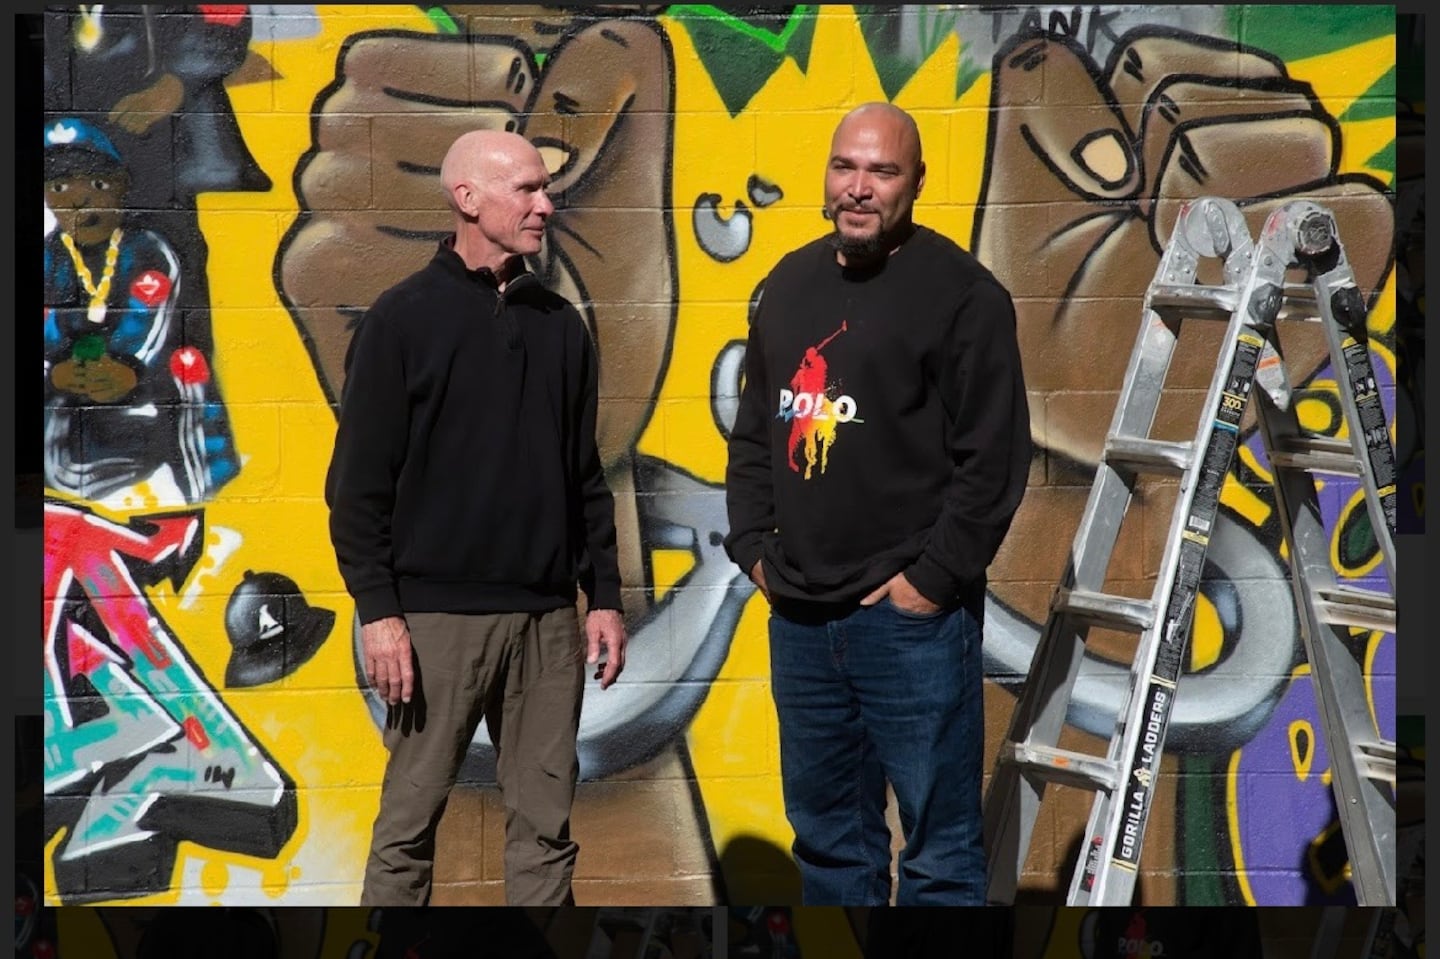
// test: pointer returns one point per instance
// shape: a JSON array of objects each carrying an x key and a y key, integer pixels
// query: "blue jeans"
[{"x": 882, "y": 694}]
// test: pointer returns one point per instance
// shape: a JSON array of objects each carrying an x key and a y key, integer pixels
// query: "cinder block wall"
[{"x": 206, "y": 737}]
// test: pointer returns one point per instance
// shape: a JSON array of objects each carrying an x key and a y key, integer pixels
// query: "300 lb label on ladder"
[{"x": 1175, "y": 632}]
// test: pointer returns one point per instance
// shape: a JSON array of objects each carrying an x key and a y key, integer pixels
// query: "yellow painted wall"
[{"x": 728, "y": 147}]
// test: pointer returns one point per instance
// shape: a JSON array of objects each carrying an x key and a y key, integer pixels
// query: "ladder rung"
[
  {"x": 1155, "y": 455},
  {"x": 1348, "y": 606},
  {"x": 1323, "y": 454},
  {"x": 1299, "y": 304},
  {"x": 1214, "y": 299},
  {"x": 1105, "y": 609},
  {"x": 1377, "y": 760},
  {"x": 1063, "y": 767}
]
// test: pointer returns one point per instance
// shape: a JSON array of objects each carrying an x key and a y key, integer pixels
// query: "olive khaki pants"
[{"x": 525, "y": 674}]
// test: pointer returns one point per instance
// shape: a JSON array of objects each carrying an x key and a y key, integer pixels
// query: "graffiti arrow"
[
  {"x": 160, "y": 724},
  {"x": 133, "y": 724}
]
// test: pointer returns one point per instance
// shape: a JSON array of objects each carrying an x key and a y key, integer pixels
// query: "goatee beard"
[{"x": 859, "y": 248}]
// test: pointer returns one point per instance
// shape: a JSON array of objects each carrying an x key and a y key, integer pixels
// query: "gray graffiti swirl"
[
  {"x": 673, "y": 655},
  {"x": 678, "y": 648}
]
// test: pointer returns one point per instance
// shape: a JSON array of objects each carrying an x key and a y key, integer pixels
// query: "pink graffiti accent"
[
  {"x": 151, "y": 721},
  {"x": 91, "y": 550}
]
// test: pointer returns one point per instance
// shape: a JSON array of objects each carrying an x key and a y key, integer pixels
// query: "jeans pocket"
[{"x": 911, "y": 614}]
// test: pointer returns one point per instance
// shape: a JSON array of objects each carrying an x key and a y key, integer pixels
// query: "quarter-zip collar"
[
  {"x": 446, "y": 256},
  {"x": 520, "y": 284}
]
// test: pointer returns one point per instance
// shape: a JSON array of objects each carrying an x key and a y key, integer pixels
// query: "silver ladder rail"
[
  {"x": 1362, "y": 763},
  {"x": 1030, "y": 757},
  {"x": 1252, "y": 297}
]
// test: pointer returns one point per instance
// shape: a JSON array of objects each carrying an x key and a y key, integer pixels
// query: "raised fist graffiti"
[
  {"x": 373, "y": 208},
  {"x": 1085, "y": 174}
]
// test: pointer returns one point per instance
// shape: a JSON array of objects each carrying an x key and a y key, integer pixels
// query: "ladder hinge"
[
  {"x": 1377, "y": 760},
  {"x": 1218, "y": 302},
  {"x": 1362, "y": 608}
]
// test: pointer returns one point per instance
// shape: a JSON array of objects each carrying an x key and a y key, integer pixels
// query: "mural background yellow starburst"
[{"x": 686, "y": 218}]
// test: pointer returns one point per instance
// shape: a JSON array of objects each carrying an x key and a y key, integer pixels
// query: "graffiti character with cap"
[{"x": 129, "y": 398}]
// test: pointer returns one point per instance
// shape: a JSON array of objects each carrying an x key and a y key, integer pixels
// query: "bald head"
[
  {"x": 887, "y": 120},
  {"x": 481, "y": 155},
  {"x": 873, "y": 177},
  {"x": 495, "y": 182}
]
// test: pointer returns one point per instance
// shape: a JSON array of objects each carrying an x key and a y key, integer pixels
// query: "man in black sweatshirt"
[
  {"x": 467, "y": 502},
  {"x": 879, "y": 453}
]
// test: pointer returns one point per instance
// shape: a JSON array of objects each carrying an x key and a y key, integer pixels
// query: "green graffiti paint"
[
  {"x": 90, "y": 347},
  {"x": 967, "y": 74},
  {"x": 882, "y": 28},
  {"x": 1376, "y": 103},
  {"x": 1200, "y": 804},
  {"x": 442, "y": 20},
  {"x": 1384, "y": 159},
  {"x": 1356, "y": 546},
  {"x": 1298, "y": 32},
  {"x": 742, "y": 53}
]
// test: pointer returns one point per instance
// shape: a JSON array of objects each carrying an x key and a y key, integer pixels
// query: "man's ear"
[
  {"x": 465, "y": 199},
  {"x": 920, "y": 180}
]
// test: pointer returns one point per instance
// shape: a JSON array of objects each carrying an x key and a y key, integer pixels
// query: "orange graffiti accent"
[
  {"x": 195, "y": 732},
  {"x": 815, "y": 428}
]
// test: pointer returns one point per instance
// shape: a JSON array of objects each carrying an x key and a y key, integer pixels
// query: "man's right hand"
[
  {"x": 757, "y": 576},
  {"x": 388, "y": 666}
]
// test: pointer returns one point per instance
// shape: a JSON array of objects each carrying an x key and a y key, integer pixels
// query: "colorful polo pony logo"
[{"x": 813, "y": 415}]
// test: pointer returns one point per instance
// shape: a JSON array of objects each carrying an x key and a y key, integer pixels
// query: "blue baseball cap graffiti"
[{"x": 71, "y": 136}]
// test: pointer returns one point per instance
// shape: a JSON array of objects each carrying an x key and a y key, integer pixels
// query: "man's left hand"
[
  {"x": 604, "y": 628},
  {"x": 903, "y": 595}
]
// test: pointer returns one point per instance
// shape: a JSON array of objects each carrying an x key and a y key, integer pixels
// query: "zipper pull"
[{"x": 507, "y": 323}]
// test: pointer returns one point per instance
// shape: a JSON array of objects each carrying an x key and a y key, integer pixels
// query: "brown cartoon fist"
[
  {"x": 373, "y": 209},
  {"x": 1085, "y": 175}
]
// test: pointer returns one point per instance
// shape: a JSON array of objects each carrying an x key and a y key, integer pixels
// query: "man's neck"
[{"x": 478, "y": 254}]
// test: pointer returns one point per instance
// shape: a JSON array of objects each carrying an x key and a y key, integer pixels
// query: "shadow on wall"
[{"x": 755, "y": 870}]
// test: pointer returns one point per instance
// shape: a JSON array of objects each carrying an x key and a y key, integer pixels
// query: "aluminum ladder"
[{"x": 1253, "y": 295}]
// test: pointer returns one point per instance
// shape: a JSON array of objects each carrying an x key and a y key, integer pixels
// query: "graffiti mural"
[
  {"x": 156, "y": 75},
  {"x": 228, "y": 188},
  {"x": 128, "y": 396},
  {"x": 139, "y": 752}
]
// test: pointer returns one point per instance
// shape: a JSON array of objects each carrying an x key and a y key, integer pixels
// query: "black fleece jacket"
[
  {"x": 882, "y": 427},
  {"x": 465, "y": 476}
]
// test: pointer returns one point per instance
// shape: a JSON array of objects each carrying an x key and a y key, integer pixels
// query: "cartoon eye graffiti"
[
  {"x": 724, "y": 238},
  {"x": 762, "y": 192}
]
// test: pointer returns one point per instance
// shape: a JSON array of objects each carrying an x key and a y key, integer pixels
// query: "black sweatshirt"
[
  {"x": 465, "y": 476},
  {"x": 882, "y": 426}
]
